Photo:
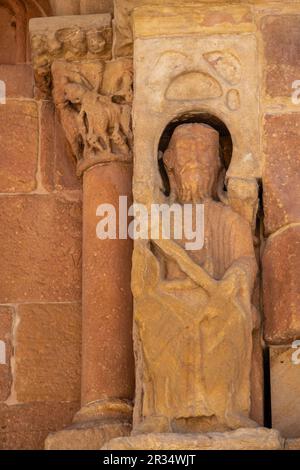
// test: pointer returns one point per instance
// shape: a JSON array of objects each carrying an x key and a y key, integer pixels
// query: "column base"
[
  {"x": 241, "y": 439},
  {"x": 93, "y": 426}
]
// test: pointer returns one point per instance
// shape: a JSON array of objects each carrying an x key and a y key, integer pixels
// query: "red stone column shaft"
[{"x": 107, "y": 348}]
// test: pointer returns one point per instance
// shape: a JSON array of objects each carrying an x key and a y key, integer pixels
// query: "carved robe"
[{"x": 194, "y": 346}]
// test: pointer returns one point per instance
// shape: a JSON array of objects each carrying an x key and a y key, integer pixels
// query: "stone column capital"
[
  {"x": 92, "y": 94},
  {"x": 71, "y": 38}
]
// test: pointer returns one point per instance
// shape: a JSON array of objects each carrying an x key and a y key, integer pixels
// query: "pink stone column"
[{"x": 107, "y": 348}]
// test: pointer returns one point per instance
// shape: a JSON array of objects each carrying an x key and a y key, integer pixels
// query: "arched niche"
[
  {"x": 14, "y": 18},
  {"x": 226, "y": 143}
]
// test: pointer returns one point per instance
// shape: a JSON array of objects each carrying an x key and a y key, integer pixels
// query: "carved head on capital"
[
  {"x": 95, "y": 41},
  {"x": 193, "y": 163},
  {"x": 74, "y": 40},
  {"x": 74, "y": 92}
]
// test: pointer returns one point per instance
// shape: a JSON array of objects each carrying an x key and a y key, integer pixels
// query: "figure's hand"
[{"x": 237, "y": 275}]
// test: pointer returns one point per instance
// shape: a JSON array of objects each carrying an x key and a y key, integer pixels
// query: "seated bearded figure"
[{"x": 193, "y": 311}]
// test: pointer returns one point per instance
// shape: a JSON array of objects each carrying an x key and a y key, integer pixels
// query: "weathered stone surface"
[
  {"x": 67, "y": 7},
  {"x": 292, "y": 444},
  {"x": 86, "y": 437},
  {"x": 74, "y": 7},
  {"x": 84, "y": 37},
  {"x": 58, "y": 165},
  {"x": 242, "y": 439},
  {"x": 112, "y": 409},
  {"x": 180, "y": 293},
  {"x": 183, "y": 17},
  {"x": 108, "y": 365},
  {"x": 96, "y": 6},
  {"x": 285, "y": 386},
  {"x": 161, "y": 63},
  {"x": 26, "y": 426},
  {"x": 193, "y": 86},
  {"x": 7, "y": 36},
  {"x": 6, "y": 323},
  {"x": 242, "y": 196},
  {"x": 257, "y": 380},
  {"x": 14, "y": 17},
  {"x": 40, "y": 238},
  {"x": 281, "y": 286},
  {"x": 18, "y": 80},
  {"x": 281, "y": 179},
  {"x": 19, "y": 146},
  {"x": 94, "y": 140},
  {"x": 281, "y": 34},
  {"x": 47, "y": 352}
]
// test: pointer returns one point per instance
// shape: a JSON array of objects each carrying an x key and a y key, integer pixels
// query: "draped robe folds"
[{"x": 194, "y": 346}]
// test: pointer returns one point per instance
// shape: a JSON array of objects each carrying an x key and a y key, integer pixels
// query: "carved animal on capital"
[{"x": 103, "y": 125}]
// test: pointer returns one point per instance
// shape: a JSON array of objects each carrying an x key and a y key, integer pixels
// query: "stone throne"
[{"x": 194, "y": 314}]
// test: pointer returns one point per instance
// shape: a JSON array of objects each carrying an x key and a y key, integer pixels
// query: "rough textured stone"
[
  {"x": 281, "y": 179},
  {"x": 183, "y": 384},
  {"x": 167, "y": 59},
  {"x": 6, "y": 321},
  {"x": 257, "y": 380},
  {"x": 285, "y": 386},
  {"x": 292, "y": 444},
  {"x": 96, "y": 6},
  {"x": 242, "y": 439},
  {"x": 74, "y": 7},
  {"x": 7, "y": 36},
  {"x": 86, "y": 437},
  {"x": 281, "y": 34},
  {"x": 19, "y": 146},
  {"x": 40, "y": 238},
  {"x": 47, "y": 352},
  {"x": 18, "y": 80},
  {"x": 108, "y": 365},
  {"x": 88, "y": 37},
  {"x": 26, "y": 426},
  {"x": 281, "y": 286},
  {"x": 58, "y": 165},
  {"x": 184, "y": 17},
  {"x": 67, "y": 7},
  {"x": 95, "y": 140}
]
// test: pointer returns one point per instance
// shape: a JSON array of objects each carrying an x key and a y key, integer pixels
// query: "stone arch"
[
  {"x": 226, "y": 143},
  {"x": 14, "y": 18}
]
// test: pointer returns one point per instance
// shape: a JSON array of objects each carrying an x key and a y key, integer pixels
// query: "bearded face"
[{"x": 192, "y": 162}]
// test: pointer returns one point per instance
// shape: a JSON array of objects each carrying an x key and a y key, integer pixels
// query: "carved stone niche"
[
  {"x": 194, "y": 313},
  {"x": 71, "y": 38}
]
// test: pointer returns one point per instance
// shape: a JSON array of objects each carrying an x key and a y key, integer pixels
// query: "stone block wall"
[
  {"x": 40, "y": 257},
  {"x": 41, "y": 225},
  {"x": 281, "y": 201}
]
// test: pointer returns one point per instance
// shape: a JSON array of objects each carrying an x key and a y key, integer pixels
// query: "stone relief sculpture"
[
  {"x": 194, "y": 86},
  {"x": 193, "y": 312},
  {"x": 96, "y": 119},
  {"x": 71, "y": 44},
  {"x": 226, "y": 64}
]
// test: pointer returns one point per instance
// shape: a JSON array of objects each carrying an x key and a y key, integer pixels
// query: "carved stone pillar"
[
  {"x": 93, "y": 99},
  {"x": 193, "y": 76}
]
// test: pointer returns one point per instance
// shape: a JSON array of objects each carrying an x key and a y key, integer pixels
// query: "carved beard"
[{"x": 193, "y": 185}]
